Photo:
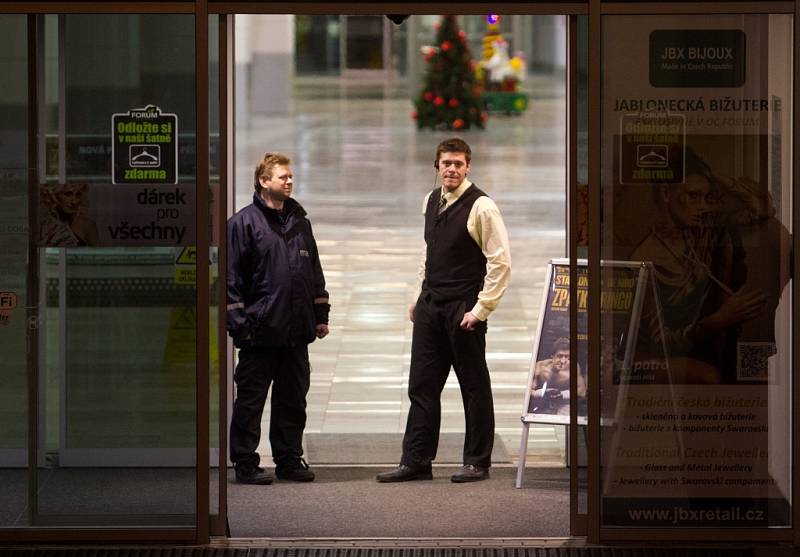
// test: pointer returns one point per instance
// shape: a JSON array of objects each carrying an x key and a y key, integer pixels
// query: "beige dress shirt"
[{"x": 485, "y": 226}]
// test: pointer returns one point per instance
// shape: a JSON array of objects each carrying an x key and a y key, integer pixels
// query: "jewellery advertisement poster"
[{"x": 696, "y": 182}]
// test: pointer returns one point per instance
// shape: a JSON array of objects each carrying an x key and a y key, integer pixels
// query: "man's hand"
[
  {"x": 322, "y": 330},
  {"x": 469, "y": 322},
  {"x": 411, "y": 309}
]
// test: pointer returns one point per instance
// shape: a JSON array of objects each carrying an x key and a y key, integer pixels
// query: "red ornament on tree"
[
  {"x": 438, "y": 101},
  {"x": 429, "y": 55},
  {"x": 462, "y": 35},
  {"x": 446, "y": 46},
  {"x": 428, "y": 96},
  {"x": 414, "y": 115},
  {"x": 458, "y": 123},
  {"x": 453, "y": 103}
]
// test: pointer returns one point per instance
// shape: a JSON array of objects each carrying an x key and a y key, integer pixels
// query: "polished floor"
[{"x": 361, "y": 170}]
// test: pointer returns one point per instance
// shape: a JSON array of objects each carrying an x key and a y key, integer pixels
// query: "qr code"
[{"x": 752, "y": 360}]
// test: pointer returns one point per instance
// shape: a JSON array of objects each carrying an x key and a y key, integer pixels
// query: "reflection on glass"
[
  {"x": 365, "y": 42},
  {"x": 316, "y": 44},
  {"x": 697, "y": 189},
  {"x": 121, "y": 314},
  {"x": 13, "y": 271},
  {"x": 64, "y": 221},
  {"x": 215, "y": 208},
  {"x": 582, "y": 163}
]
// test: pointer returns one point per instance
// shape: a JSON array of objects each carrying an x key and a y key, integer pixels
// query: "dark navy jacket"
[{"x": 276, "y": 289}]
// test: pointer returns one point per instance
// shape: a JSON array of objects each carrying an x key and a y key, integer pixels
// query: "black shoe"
[
  {"x": 295, "y": 471},
  {"x": 405, "y": 473},
  {"x": 254, "y": 475},
  {"x": 470, "y": 473}
]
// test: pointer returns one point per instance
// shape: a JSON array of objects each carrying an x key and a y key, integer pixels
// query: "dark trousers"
[
  {"x": 437, "y": 344},
  {"x": 288, "y": 370}
]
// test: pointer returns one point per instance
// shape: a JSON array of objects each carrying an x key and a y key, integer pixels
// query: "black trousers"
[
  {"x": 288, "y": 370},
  {"x": 437, "y": 344}
]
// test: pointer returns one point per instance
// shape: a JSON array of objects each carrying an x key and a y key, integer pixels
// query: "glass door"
[
  {"x": 116, "y": 226},
  {"x": 695, "y": 350},
  {"x": 103, "y": 412},
  {"x": 577, "y": 234},
  {"x": 15, "y": 247}
]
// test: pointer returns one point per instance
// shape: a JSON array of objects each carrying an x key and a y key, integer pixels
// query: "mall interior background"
[
  {"x": 115, "y": 394},
  {"x": 99, "y": 399},
  {"x": 334, "y": 92}
]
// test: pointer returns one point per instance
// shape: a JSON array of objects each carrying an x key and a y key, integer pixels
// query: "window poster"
[
  {"x": 696, "y": 182},
  {"x": 104, "y": 215},
  {"x": 144, "y": 146}
]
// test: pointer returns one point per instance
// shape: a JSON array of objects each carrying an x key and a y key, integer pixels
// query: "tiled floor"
[{"x": 361, "y": 170}]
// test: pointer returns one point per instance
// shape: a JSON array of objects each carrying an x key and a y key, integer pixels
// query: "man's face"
[
  {"x": 561, "y": 360},
  {"x": 453, "y": 168},
  {"x": 690, "y": 203},
  {"x": 279, "y": 184}
]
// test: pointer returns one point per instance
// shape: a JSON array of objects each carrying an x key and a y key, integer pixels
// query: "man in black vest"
[
  {"x": 464, "y": 272},
  {"x": 277, "y": 305}
]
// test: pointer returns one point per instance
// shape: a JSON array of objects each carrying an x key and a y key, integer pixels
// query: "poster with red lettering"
[{"x": 548, "y": 394}]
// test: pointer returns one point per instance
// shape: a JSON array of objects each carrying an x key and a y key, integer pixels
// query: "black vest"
[{"x": 454, "y": 264}]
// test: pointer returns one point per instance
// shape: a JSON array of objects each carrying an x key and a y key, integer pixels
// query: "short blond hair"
[{"x": 266, "y": 165}]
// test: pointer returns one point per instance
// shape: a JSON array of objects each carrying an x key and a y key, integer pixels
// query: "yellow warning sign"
[
  {"x": 179, "y": 352},
  {"x": 187, "y": 256},
  {"x": 183, "y": 319},
  {"x": 186, "y": 265},
  {"x": 185, "y": 275}
]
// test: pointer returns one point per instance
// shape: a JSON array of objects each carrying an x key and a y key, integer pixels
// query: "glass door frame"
[
  {"x": 571, "y": 10},
  {"x": 207, "y": 525},
  {"x": 199, "y": 533},
  {"x": 597, "y": 9}
]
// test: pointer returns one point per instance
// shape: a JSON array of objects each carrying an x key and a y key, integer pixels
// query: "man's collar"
[
  {"x": 456, "y": 193},
  {"x": 290, "y": 205}
]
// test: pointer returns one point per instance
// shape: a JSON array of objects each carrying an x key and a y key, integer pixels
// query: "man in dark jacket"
[
  {"x": 277, "y": 305},
  {"x": 463, "y": 273}
]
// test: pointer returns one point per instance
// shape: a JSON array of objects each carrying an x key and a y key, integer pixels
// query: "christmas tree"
[{"x": 449, "y": 99}]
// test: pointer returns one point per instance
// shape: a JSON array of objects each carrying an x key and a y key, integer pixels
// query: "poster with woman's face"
[
  {"x": 696, "y": 182},
  {"x": 124, "y": 215}
]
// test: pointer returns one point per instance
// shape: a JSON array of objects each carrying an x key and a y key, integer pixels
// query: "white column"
[
  {"x": 560, "y": 40},
  {"x": 548, "y": 51},
  {"x": 272, "y": 69},
  {"x": 243, "y": 58}
]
